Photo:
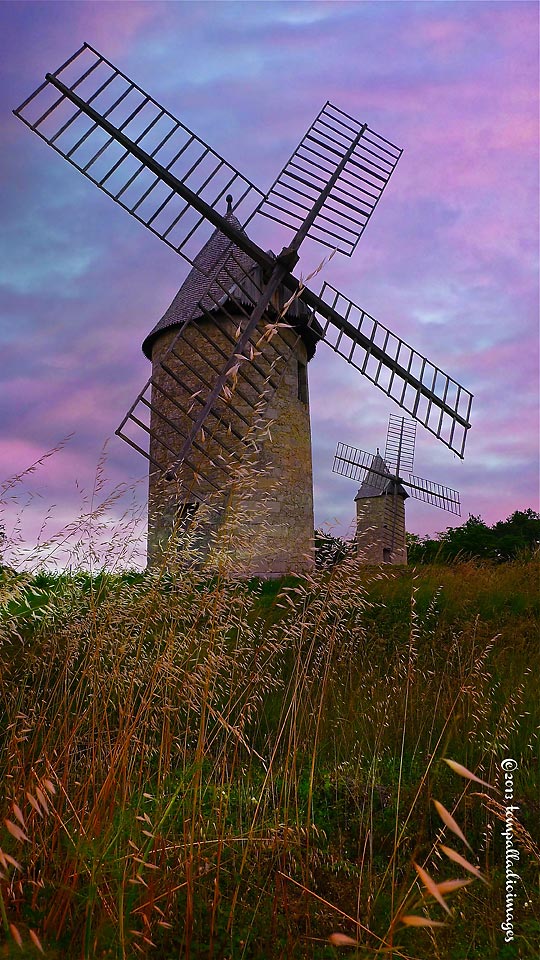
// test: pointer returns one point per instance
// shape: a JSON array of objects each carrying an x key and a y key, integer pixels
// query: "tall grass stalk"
[{"x": 196, "y": 765}]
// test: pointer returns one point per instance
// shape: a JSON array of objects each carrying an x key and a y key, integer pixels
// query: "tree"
[
  {"x": 329, "y": 549},
  {"x": 521, "y": 531},
  {"x": 505, "y": 540}
]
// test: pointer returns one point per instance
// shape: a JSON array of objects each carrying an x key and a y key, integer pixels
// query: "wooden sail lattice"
[
  {"x": 434, "y": 399},
  {"x": 174, "y": 183},
  {"x": 359, "y": 187},
  {"x": 134, "y": 150}
]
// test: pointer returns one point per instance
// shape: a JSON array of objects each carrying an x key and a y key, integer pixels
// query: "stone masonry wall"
[
  {"x": 276, "y": 503},
  {"x": 372, "y": 516}
]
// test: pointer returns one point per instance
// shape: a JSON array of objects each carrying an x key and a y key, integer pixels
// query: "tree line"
[{"x": 516, "y": 537}]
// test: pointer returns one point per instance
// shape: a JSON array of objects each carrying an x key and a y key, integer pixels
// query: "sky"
[{"x": 449, "y": 260}]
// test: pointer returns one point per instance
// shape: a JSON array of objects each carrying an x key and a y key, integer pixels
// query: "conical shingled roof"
[
  {"x": 199, "y": 287},
  {"x": 374, "y": 485},
  {"x": 205, "y": 283}
]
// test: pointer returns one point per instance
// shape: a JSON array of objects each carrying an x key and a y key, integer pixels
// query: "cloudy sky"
[{"x": 448, "y": 261}]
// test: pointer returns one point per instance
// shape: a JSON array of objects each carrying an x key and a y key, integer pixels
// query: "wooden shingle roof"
[
  {"x": 374, "y": 485},
  {"x": 217, "y": 268}
]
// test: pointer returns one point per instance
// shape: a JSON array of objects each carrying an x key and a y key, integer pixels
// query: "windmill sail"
[
  {"x": 356, "y": 192},
  {"x": 359, "y": 465},
  {"x": 135, "y": 151},
  {"x": 435, "y": 493},
  {"x": 400, "y": 444},
  {"x": 363, "y": 467},
  {"x": 433, "y": 398},
  {"x": 394, "y": 521},
  {"x": 170, "y": 180}
]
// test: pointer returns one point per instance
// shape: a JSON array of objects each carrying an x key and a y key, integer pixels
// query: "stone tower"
[
  {"x": 380, "y": 517},
  {"x": 279, "y": 503}
]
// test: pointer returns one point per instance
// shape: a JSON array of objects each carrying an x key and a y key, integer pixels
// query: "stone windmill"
[
  {"x": 225, "y": 356},
  {"x": 184, "y": 361},
  {"x": 385, "y": 484}
]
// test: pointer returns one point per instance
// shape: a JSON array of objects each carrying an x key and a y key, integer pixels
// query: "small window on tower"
[
  {"x": 185, "y": 513},
  {"x": 302, "y": 382}
]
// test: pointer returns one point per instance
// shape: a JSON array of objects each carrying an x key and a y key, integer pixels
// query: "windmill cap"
[
  {"x": 374, "y": 485},
  {"x": 199, "y": 292}
]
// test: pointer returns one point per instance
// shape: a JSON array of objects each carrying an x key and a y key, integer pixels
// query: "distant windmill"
[
  {"x": 380, "y": 501},
  {"x": 219, "y": 359}
]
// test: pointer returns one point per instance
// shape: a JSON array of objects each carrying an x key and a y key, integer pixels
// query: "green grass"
[{"x": 242, "y": 769}]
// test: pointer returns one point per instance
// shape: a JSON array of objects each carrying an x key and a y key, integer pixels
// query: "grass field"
[{"x": 204, "y": 768}]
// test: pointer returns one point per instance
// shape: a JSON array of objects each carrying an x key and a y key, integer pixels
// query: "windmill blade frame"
[
  {"x": 359, "y": 465},
  {"x": 394, "y": 520},
  {"x": 436, "y": 494},
  {"x": 176, "y": 188},
  {"x": 356, "y": 192},
  {"x": 434, "y": 399},
  {"x": 400, "y": 444}
]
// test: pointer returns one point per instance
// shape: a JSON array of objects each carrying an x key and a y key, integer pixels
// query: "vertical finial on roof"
[{"x": 229, "y": 200}]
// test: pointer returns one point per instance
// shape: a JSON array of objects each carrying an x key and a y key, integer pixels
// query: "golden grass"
[{"x": 188, "y": 774}]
